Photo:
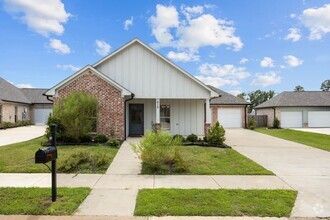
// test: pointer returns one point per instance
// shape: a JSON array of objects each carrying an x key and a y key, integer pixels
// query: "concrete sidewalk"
[{"x": 20, "y": 134}]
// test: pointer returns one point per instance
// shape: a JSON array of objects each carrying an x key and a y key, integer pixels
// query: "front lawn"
[
  {"x": 208, "y": 202},
  {"x": 37, "y": 201},
  {"x": 19, "y": 158},
  {"x": 214, "y": 161},
  {"x": 320, "y": 141}
]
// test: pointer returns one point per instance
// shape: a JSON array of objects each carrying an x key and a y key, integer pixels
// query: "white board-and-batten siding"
[{"x": 148, "y": 76}]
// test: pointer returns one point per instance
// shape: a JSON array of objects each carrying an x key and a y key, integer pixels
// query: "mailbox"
[{"x": 46, "y": 154}]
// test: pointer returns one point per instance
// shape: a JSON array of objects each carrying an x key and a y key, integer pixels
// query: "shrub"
[
  {"x": 192, "y": 138},
  {"x": 216, "y": 134},
  {"x": 60, "y": 131},
  {"x": 82, "y": 160},
  {"x": 276, "y": 123},
  {"x": 252, "y": 124},
  {"x": 76, "y": 113},
  {"x": 113, "y": 143},
  {"x": 179, "y": 136},
  {"x": 101, "y": 138},
  {"x": 86, "y": 138},
  {"x": 157, "y": 152}
]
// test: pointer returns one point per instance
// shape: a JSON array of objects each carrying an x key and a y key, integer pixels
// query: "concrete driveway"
[
  {"x": 20, "y": 134},
  {"x": 315, "y": 130},
  {"x": 304, "y": 168}
]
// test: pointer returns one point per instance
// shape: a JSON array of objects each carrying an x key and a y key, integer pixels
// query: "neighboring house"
[
  {"x": 229, "y": 110},
  {"x": 298, "y": 109},
  {"x": 138, "y": 88},
  {"x": 22, "y": 104}
]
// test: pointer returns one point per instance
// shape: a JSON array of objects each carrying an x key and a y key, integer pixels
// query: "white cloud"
[
  {"x": 234, "y": 92},
  {"x": 317, "y": 20},
  {"x": 293, "y": 61},
  {"x": 128, "y": 23},
  {"x": 197, "y": 30},
  {"x": 217, "y": 81},
  {"x": 68, "y": 67},
  {"x": 183, "y": 56},
  {"x": 293, "y": 15},
  {"x": 103, "y": 48},
  {"x": 294, "y": 35},
  {"x": 266, "y": 79},
  {"x": 165, "y": 18},
  {"x": 43, "y": 17},
  {"x": 24, "y": 85},
  {"x": 267, "y": 62},
  {"x": 59, "y": 47},
  {"x": 244, "y": 60}
]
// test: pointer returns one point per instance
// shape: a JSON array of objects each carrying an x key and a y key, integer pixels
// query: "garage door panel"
[
  {"x": 319, "y": 119},
  {"x": 291, "y": 119},
  {"x": 230, "y": 118},
  {"x": 40, "y": 115}
]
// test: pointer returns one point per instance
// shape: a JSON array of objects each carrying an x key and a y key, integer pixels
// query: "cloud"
[
  {"x": 294, "y": 35},
  {"x": 217, "y": 81},
  {"x": 244, "y": 60},
  {"x": 267, "y": 62},
  {"x": 195, "y": 31},
  {"x": 103, "y": 48},
  {"x": 68, "y": 67},
  {"x": 161, "y": 23},
  {"x": 24, "y": 85},
  {"x": 266, "y": 79},
  {"x": 183, "y": 56},
  {"x": 59, "y": 47},
  {"x": 43, "y": 17},
  {"x": 293, "y": 61},
  {"x": 128, "y": 23},
  {"x": 317, "y": 20},
  {"x": 234, "y": 92}
]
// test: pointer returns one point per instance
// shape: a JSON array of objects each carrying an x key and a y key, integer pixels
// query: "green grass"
[
  {"x": 215, "y": 161},
  {"x": 207, "y": 202},
  {"x": 19, "y": 158},
  {"x": 37, "y": 201},
  {"x": 320, "y": 141}
]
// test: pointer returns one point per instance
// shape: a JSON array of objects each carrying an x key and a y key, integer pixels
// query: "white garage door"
[
  {"x": 40, "y": 115},
  {"x": 319, "y": 119},
  {"x": 291, "y": 119},
  {"x": 230, "y": 117}
]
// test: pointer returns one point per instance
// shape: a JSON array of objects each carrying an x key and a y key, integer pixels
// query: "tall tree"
[
  {"x": 325, "y": 85},
  {"x": 242, "y": 95},
  {"x": 257, "y": 97},
  {"x": 299, "y": 88}
]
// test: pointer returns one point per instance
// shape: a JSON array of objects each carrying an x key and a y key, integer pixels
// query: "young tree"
[
  {"x": 257, "y": 97},
  {"x": 76, "y": 113},
  {"x": 326, "y": 85},
  {"x": 299, "y": 88},
  {"x": 242, "y": 95}
]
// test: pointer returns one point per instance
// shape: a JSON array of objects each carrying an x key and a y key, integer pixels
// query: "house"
[
  {"x": 137, "y": 88},
  {"x": 23, "y": 104},
  {"x": 298, "y": 109},
  {"x": 229, "y": 110}
]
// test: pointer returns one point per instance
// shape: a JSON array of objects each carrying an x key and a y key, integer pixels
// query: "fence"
[{"x": 261, "y": 120}]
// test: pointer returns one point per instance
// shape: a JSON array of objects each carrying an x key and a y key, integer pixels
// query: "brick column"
[
  {"x": 206, "y": 128},
  {"x": 157, "y": 126}
]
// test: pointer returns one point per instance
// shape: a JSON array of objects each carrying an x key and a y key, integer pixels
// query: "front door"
[{"x": 136, "y": 120}]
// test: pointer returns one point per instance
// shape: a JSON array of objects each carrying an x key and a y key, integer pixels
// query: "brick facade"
[{"x": 111, "y": 102}]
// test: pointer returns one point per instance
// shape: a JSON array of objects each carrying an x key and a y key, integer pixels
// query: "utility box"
[{"x": 46, "y": 155}]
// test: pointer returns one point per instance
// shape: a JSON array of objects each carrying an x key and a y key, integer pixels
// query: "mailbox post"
[{"x": 48, "y": 154}]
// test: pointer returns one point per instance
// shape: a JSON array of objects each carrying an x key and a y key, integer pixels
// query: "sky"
[{"x": 237, "y": 46}]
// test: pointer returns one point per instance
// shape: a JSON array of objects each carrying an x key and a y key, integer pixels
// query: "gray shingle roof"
[
  {"x": 35, "y": 95},
  {"x": 9, "y": 92},
  {"x": 298, "y": 99},
  {"x": 226, "y": 98}
]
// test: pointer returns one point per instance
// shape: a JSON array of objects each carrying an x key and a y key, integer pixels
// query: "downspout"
[
  {"x": 47, "y": 96},
  {"x": 245, "y": 125},
  {"x": 132, "y": 97}
]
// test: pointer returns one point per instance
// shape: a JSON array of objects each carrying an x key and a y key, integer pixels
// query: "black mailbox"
[{"x": 46, "y": 154}]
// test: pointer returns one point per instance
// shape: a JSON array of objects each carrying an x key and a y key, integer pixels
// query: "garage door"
[
  {"x": 291, "y": 119},
  {"x": 230, "y": 117},
  {"x": 319, "y": 119},
  {"x": 40, "y": 115}
]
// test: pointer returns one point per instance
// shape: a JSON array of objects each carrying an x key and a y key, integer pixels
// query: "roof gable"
[{"x": 226, "y": 98}]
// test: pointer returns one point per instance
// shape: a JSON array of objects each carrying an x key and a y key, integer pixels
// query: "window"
[
  {"x": 0, "y": 113},
  {"x": 165, "y": 117},
  {"x": 16, "y": 116},
  {"x": 24, "y": 114}
]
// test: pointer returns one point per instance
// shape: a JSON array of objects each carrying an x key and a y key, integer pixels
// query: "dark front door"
[{"x": 136, "y": 119}]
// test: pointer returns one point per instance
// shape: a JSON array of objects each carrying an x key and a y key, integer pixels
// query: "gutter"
[
  {"x": 125, "y": 127},
  {"x": 47, "y": 96},
  {"x": 245, "y": 122}
]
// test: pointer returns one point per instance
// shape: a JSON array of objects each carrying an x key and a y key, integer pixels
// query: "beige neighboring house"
[
  {"x": 229, "y": 110},
  {"x": 23, "y": 104},
  {"x": 298, "y": 109}
]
